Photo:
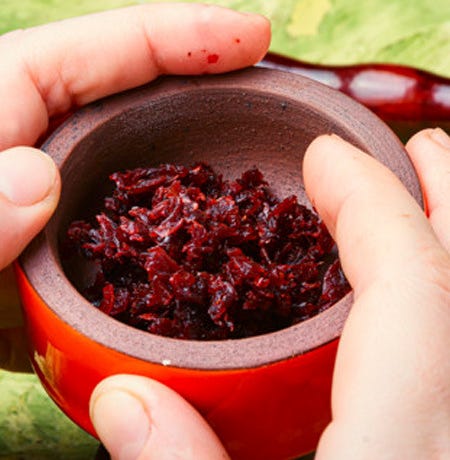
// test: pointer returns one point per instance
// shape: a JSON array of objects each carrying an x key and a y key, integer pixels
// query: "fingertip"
[
  {"x": 121, "y": 420},
  {"x": 324, "y": 145},
  {"x": 429, "y": 151},
  {"x": 214, "y": 40},
  {"x": 139, "y": 417},
  {"x": 426, "y": 144},
  {"x": 418, "y": 136},
  {"x": 316, "y": 149},
  {"x": 28, "y": 176},
  {"x": 246, "y": 41},
  {"x": 437, "y": 136},
  {"x": 319, "y": 173},
  {"x": 263, "y": 30},
  {"x": 29, "y": 191}
]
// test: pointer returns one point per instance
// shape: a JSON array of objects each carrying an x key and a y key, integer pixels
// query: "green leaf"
[{"x": 32, "y": 427}]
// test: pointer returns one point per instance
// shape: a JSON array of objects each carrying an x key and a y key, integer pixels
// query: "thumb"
[
  {"x": 138, "y": 418},
  {"x": 29, "y": 191}
]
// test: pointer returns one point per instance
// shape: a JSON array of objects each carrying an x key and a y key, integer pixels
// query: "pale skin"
[{"x": 391, "y": 384}]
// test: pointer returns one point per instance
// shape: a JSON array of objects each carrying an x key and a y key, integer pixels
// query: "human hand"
[
  {"x": 47, "y": 70},
  {"x": 390, "y": 395}
]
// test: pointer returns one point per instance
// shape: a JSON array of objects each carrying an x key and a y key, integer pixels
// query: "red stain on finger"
[{"x": 212, "y": 58}]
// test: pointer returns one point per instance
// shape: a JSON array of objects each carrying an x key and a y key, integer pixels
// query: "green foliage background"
[
  {"x": 324, "y": 31},
  {"x": 329, "y": 31}
]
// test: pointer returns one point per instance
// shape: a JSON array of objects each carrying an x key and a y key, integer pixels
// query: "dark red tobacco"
[{"x": 183, "y": 253}]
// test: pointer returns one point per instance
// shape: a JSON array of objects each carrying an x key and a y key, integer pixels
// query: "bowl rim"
[{"x": 43, "y": 271}]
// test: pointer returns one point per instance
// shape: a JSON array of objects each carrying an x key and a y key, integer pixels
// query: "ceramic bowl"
[{"x": 266, "y": 396}]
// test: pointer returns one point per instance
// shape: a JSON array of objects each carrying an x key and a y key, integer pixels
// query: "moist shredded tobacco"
[{"x": 183, "y": 253}]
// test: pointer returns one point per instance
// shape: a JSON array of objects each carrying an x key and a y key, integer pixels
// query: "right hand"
[{"x": 391, "y": 385}]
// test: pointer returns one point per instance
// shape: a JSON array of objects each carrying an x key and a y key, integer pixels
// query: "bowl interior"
[
  {"x": 232, "y": 130},
  {"x": 255, "y": 117}
]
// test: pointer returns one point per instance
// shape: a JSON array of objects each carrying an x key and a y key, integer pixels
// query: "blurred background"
[
  {"x": 326, "y": 31},
  {"x": 335, "y": 32}
]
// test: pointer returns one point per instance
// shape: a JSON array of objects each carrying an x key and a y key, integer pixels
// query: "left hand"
[{"x": 47, "y": 70}]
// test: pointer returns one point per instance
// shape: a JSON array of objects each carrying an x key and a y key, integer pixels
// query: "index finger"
[
  {"x": 369, "y": 210},
  {"x": 48, "y": 69}
]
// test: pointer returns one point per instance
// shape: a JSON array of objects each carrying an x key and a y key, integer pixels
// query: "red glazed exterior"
[{"x": 287, "y": 402}]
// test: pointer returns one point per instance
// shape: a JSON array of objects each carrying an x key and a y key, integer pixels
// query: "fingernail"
[
  {"x": 441, "y": 137},
  {"x": 121, "y": 422},
  {"x": 26, "y": 176}
]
